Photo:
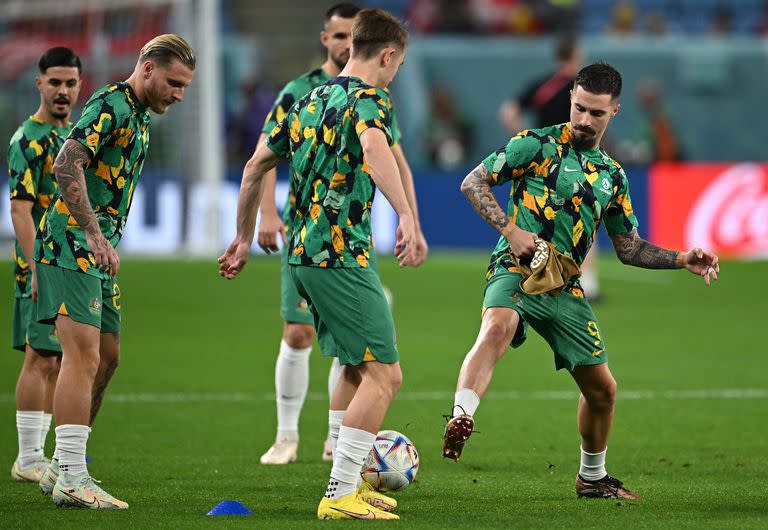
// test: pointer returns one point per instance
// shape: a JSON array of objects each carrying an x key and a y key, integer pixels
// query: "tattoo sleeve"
[
  {"x": 68, "y": 170},
  {"x": 632, "y": 250},
  {"x": 477, "y": 188}
]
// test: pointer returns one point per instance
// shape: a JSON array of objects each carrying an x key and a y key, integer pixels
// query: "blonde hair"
[{"x": 164, "y": 48}]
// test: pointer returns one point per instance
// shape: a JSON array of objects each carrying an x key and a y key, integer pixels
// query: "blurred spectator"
[
  {"x": 448, "y": 132},
  {"x": 655, "y": 140},
  {"x": 655, "y": 24},
  {"x": 244, "y": 125},
  {"x": 444, "y": 16},
  {"x": 549, "y": 98},
  {"x": 623, "y": 19},
  {"x": 721, "y": 23}
]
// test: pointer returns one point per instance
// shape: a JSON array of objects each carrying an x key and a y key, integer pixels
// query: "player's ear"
[
  {"x": 386, "y": 56},
  {"x": 616, "y": 109},
  {"x": 38, "y": 82},
  {"x": 324, "y": 38},
  {"x": 147, "y": 68}
]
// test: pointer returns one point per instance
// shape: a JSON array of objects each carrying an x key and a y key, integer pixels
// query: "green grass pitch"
[{"x": 190, "y": 409}]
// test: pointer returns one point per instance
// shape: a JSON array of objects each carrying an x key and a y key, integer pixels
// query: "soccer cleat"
[
  {"x": 30, "y": 473},
  {"x": 49, "y": 478},
  {"x": 282, "y": 452},
  {"x": 607, "y": 487},
  {"x": 83, "y": 492},
  {"x": 457, "y": 432},
  {"x": 375, "y": 498},
  {"x": 327, "y": 451},
  {"x": 350, "y": 507}
]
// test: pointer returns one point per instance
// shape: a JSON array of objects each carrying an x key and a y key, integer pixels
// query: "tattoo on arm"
[
  {"x": 477, "y": 189},
  {"x": 632, "y": 250},
  {"x": 68, "y": 170}
]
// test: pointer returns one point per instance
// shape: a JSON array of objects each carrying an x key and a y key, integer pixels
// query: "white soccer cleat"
[
  {"x": 49, "y": 478},
  {"x": 31, "y": 473},
  {"x": 83, "y": 492},
  {"x": 282, "y": 452}
]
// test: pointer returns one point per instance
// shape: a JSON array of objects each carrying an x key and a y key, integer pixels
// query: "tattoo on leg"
[{"x": 100, "y": 389}]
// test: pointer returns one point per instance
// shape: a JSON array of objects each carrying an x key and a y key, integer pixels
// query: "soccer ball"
[{"x": 392, "y": 463}]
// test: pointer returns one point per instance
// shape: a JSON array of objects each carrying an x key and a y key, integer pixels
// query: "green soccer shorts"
[
  {"x": 566, "y": 321},
  {"x": 82, "y": 297},
  {"x": 350, "y": 313},
  {"x": 293, "y": 307},
  {"x": 27, "y": 330}
]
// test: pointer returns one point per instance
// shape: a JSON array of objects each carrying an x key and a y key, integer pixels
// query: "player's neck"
[
  {"x": 48, "y": 118},
  {"x": 367, "y": 71},
  {"x": 138, "y": 88},
  {"x": 330, "y": 68}
]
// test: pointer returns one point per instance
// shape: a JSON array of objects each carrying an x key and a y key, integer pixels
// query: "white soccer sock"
[
  {"x": 354, "y": 445},
  {"x": 46, "y": 426},
  {"x": 28, "y": 424},
  {"x": 466, "y": 401},
  {"x": 70, "y": 444},
  {"x": 592, "y": 465},
  {"x": 291, "y": 383},
  {"x": 334, "y": 374},
  {"x": 335, "y": 417}
]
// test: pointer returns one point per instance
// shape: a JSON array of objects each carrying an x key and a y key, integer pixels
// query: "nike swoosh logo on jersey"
[
  {"x": 570, "y": 169},
  {"x": 369, "y": 515}
]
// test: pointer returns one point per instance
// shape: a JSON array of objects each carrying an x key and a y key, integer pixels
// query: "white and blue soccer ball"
[{"x": 392, "y": 463}]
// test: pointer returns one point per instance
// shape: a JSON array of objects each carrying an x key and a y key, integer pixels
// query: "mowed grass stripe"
[{"x": 712, "y": 393}]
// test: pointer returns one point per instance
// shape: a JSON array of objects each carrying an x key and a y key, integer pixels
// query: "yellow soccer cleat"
[
  {"x": 375, "y": 498},
  {"x": 282, "y": 452},
  {"x": 83, "y": 492},
  {"x": 49, "y": 478},
  {"x": 31, "y": 473},
  {"x": 350, "y": 507}
]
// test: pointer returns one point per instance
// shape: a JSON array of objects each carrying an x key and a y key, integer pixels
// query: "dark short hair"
[
  {"x": 599, "y": 78},
  {"x": 59, "y": 56},
  {"x": 566, "y": 47},
  {"x": 343, "y": 10},
  {"x": 375, "y": 29}
]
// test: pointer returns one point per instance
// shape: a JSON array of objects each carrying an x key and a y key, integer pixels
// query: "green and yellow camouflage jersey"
[
  {"x": 114, "y": 128},
  {"x": 559, "y": 193},
  {"x": 288, "y": 96},
  {"x": 334, "y": 190},
  {"x": 33, "y": 149}
]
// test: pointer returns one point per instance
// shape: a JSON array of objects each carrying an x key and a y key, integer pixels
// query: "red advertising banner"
[{"x": 720, "y": 207}]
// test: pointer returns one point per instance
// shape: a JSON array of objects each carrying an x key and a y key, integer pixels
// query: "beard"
[
  {"x": 584, "y": 142},
  {"x": 60, "y": 115},
  {"x": 341, "y": 60}
]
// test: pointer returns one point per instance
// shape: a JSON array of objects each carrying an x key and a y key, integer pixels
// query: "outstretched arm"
[
  {"x": 231, "y": 263},
  {"x": 477, "y": 188},
  {"x": 631, "y": 249},
  {"x": 68, "y": 169}
]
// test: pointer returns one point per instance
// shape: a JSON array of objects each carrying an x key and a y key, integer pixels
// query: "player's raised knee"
[{"x": 498, "y": 332}]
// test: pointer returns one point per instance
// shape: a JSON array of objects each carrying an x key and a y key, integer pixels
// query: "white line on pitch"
[{"x": 180, "y": 397}]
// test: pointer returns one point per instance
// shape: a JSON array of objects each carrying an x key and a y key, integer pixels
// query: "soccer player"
[
  {"x": 32, "y": 150},
  {"x": 563, "y": 186},
  {"x": 292, "y": 367},
  {"x": 339, "y": 139},
  {"x": 97, "y": 170}
]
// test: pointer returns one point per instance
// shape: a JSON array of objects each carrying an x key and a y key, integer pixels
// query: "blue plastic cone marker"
[{"x": 230, "y": 508}]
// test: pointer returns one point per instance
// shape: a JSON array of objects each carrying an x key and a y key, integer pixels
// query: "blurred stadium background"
[
  {"x": 705, "y": 61},
  {"x": 690, "y": 361}
]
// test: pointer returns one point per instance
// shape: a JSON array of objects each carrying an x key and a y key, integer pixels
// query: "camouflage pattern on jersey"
[
  {"x": 33, "y": 149},
  {"x": 114, "y": 127},
  {"x": 559, "y": 193},
  {"x": 321, "y": 136},
  {"x": 288, "y": 96}
]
